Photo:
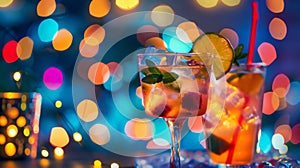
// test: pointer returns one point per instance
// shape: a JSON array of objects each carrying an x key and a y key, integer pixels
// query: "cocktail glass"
[
  {"x": 232, "y": 140},
  {"x": 175, "y": 86}
]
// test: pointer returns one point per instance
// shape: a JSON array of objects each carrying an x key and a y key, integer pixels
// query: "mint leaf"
[
  {"x": 152, "y": 78},
  {"x": 150, "y": 63},
  {"x": 169, "y": 77},
  {"x": 216, "y": 144}
]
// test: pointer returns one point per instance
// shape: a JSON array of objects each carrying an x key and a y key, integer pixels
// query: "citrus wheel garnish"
[
  {"x": 248, "y": 83},
  {"x": 219, "y": 47}
]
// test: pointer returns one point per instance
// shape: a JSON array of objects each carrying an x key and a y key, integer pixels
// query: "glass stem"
[{"x": 175, "y": 126}]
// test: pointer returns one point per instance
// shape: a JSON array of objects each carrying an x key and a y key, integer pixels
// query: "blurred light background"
[{"x": 46, "y": 44}]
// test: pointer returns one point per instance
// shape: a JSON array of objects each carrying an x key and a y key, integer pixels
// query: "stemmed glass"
[{"x": 175, "y": 86}]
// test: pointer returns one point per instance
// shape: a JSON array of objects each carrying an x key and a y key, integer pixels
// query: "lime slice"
[{"x": 218, "y": 46}]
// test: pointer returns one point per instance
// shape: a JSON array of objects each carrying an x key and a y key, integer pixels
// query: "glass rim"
[
  {"x": 172, "y": 54},
  {"x": 256, "y": 64}
]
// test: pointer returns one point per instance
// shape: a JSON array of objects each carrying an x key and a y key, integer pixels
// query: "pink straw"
[{"x": 253, "y": 31}]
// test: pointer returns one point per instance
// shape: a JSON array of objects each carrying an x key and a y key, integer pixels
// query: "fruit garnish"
[
  {"x": 219, "y": 46},
  {"x": 238, "y": 54},
  {"x": 216, "y": 144},
  {"x": 247, "y": 83}
]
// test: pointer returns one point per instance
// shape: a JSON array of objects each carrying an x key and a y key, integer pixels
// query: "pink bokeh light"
[{"x": 53, "y": 78}]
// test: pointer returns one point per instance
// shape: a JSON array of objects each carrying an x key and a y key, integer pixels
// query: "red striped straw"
[{"x": 253, "y": 31}]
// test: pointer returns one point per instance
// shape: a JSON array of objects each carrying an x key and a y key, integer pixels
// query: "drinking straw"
[
  {"x": 253, "y": 31},
  {"x": 249, "y": 61}
]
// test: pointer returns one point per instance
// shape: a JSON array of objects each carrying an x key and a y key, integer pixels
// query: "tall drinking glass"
[
  {"x": 174, "y": 86},
  {"x": 233, "y": 139}
]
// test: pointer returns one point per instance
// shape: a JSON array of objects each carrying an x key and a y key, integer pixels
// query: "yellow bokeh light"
[
  {"x": 62, "y": 40},
  {"x": 98, "y": 73},
  {"x": 26, "y": 131},
  {"x": 162, "y": 15},
  {"x": 207, "y": 3},
  {"x": 2, "y": 139},
  {"x": 127, "y": 4},
  {"x": 17, "y": 76},
  {"x": 44, "y": 153},
  {"x": 24, "y": 48},
  {"x": 99, "y": 8},
  {"x": 99, "y": 134},
  {"x": 58, "y": 153},
  {"x": 87, "y": 50},
  {"x": 87, "y": 110},
  {"x": 275, "y": 6},
  {"x": 94, "y": 34},
  {"x": 3, "y": 121},
  {"x": 44, "y": 162},
  {"x": 45, "y": 8},
  {"x": 97, "y": 164},
  {"x": 21, "y": 121},
  {"x": 77, "y": 137},
  {"x": 58, "y": 104},
  {"x": 12, "y": 112},
  {"x": 10, "y": 149},
  {"x": 59, "y": 137},
  {"x": 278, "y": 28},
  {"x": 12, "y": 131},
  {"x": 231, "y": 2},
  {"x": 5, "y": 3},
  {"x": 23, "y": 106}
]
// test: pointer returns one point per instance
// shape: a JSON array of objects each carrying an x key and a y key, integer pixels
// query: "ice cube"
[
  {"x": 235, "y": 99},
  {"x": 251, "y": 114},
  {"x": 157, "y": 101}
]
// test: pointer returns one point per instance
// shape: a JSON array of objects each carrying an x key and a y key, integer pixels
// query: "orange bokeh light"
[
  {"x": 139, "y": 129},
  {"x": 59, "y": 137},
  {"x": 270, "y": 103},
  {"x": 94, "y": 34},
  {"x": 87, "y": 50},
  {"x": 267, "y": 53},
  {"x": 157, "y": 42},
  {"x": 99, "y": 8},
  {"x": 286, "y": 131},
  {"x": 24, "y": 48},
  {"x": 98, "y": 73},
  {"x": 45, "y": 8},
  {"x": 278, "y": 28},
  {"x": 62, "y": 40},
  {"x": 281, "y": 85},
  {"x": 275, "y": 6},
  {"x": 195, "y": 124}
]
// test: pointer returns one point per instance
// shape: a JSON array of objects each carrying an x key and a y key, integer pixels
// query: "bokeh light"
[
  {"x": 195, "y": 124},
  {"x": 17, "y": 76},
  {"x": 139, "y": 92},
  {"x": 44, "y": 153},
  {"x": 9, "y": 51},
  {"x": 77, "y": 137},
  {"x": 21, "y": 121},
  {"x": 267, "y": 53},
  {"x": 139, "y": 129},
  {"x": 278, "y": 28},
  {"x": 62, "y": 40},
  {"x": 277, "y": 141},
  {"x": 12, "y": 131},
  {"x": 2, "y": 139},
  {"x": 5, "y": 3},
  {"x": 59, "y": 137},
  {"x": 83, "y": 66},
  {"x": 174, "y": 43},
  {"x": 207, "y": 3},
  {"x": 10, "y": 149},
  {"x": 191, "y": 31},
  {"x": 281, "y": 85},
  {"x": 24, "y": 48},
  {"x": 127, "y": 4},
  {"x": 293, "y": 96},
  {"x": 156, "y": 42},
  {"x": 231, "y": 3},
  {"x": 87, "y": 110},
  {"x": 98, "y": 73},
  {"x": 116, "y": 70},
  {"x": 58, "y": 104},
  {"x": 12, "y": 112},
  {"x": 99, "y": 8},
  {"x": 94, "y": 35},
  {"x": 97, "y": 164},
  {"x": 3, "y": 121},
  {"x": 99, "y": 134},
  {"x": 53, "y": 78},
  {"x": 264, "y": 142},
  {"x": 45, "y": 8},
  {"x": 162, "y": 15},
  {"x": 283, "y": 149},
  {"x": 47, "y": 29},
  {"x": 87, "y": 50},
  {"x": 270, "y": 103},
  {"x": 114, "y": 165},
  {"x": 231, "y": 35},
  {"x": 275, "y": 6},
  {"x": 286, "y": 131},
  {"x": 295, "y": 134},
  {"x": 58, "y": 153}
]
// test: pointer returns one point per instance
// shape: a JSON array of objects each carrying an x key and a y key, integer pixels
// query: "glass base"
[{"x": 200, "y": 159}]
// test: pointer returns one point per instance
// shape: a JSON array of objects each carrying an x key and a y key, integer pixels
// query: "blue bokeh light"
[
  {"x": 47, "y": 30},
  {"x": 293, "y": 96}
]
